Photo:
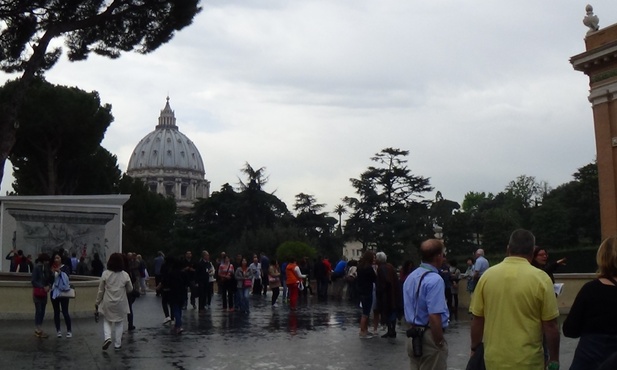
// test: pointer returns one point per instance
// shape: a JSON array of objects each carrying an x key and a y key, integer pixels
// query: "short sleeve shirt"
[
  {"x": 514, "y": 298},
  {"x": 431, "y": 297},
  {"x": 481, "y": 265}
]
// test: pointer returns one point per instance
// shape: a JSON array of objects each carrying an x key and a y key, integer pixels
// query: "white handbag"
[{"x": 67, "y": 293}]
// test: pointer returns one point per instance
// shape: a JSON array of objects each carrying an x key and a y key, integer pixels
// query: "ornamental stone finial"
[{"x": 591, "y": 20}]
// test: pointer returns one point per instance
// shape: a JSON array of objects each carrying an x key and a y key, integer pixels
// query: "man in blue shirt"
[
  {"x": 74, "y": 262},
  {"x": 426, "y": 309},
  {"x": 265, "y": 266},
  {"x": 479, "y": 268},
  {"x": 339, "y": 270},
  {"x": 481, "y": 264}
]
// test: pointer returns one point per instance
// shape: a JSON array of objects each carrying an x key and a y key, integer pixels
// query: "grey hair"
[
  {"x": 381, "y": 257},
  {"x": 521, "y": 243}
]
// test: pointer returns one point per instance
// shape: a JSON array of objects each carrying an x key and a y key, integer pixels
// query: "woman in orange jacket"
[{"x": 294, "y": 279}]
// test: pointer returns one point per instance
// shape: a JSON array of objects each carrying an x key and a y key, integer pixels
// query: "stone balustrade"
[
  {"x": 16, "y": 296},
  {"x": 572, "y": 284}
]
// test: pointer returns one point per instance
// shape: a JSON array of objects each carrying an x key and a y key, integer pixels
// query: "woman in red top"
[
  {"x": 294, "y": 277},
  {"x": 227, "y": 283}
]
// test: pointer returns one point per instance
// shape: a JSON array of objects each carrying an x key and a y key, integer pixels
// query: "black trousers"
[
  {"x": 61, "y": 304},
  {"x": 194, "y": 293},
  {"x": 257, "y": 286},
  {"x": 227, "y": 294},
  {"x": 205, "y": 294}
]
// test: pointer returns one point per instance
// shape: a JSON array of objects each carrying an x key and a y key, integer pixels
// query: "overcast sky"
[{"x": 479, "y": 92}]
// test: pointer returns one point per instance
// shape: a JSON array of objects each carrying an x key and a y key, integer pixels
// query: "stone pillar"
[
  {"x": 160, "y": 188},
  {"x": 599, "y": 62},
  {"x": 199, "y": 189},
  {"x": 191, "y": 192},
  {"x": 206, "y": 189},
  {"x": 178, "y": 188}
]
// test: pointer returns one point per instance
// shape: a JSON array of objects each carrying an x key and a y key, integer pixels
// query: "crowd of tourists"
[{"x": 513, "y": 328}]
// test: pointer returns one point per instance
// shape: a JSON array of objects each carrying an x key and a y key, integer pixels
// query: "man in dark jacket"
[
  {"x": 388, "y": 293},
  {"x": 203, "y": 272},
  {"x": 265, "y": 265},
  {"x": 188, "y": 269},
  {"x": 322, "y": 275}
]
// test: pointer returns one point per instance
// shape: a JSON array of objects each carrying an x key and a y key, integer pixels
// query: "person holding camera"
[{"x": 426, "y": 310}]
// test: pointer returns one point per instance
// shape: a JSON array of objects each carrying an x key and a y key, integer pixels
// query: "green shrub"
[{"x": 294, "y": 249}]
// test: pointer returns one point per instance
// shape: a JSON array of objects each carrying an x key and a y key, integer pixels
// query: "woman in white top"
[
  {"x": 112, "y": 299},
  {"x": 60, "y": 304}
]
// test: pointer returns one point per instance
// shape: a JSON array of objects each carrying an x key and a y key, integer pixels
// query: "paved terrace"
[{"x": 317, "y": 336}]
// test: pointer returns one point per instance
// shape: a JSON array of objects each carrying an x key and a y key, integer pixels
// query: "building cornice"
[{"x": 602, "y": 94}]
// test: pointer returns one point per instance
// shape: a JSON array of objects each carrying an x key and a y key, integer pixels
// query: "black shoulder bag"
[{"x": 416, "y": 332}]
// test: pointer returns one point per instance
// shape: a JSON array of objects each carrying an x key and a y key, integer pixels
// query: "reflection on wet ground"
[{"x": 317, "y": 336}]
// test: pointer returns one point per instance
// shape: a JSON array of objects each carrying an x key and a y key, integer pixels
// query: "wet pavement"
[{"x": 317, "y": 336}]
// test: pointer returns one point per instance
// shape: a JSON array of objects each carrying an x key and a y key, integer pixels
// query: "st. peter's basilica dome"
[{"x": 169, "y": 163}]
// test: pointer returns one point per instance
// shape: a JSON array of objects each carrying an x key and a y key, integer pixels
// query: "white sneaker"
[
  {"x": 69, "y": 334},
  {"x": 59, "y": 334},
  {"x": 167, "y": 320},
  {"x": 275, "y": 305}
]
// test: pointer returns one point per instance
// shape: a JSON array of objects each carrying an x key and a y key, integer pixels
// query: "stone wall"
[
  {"x": 83, "y": 225},
  {"x": 17, "y": 303},
  {"x": 572, "y": 284}
]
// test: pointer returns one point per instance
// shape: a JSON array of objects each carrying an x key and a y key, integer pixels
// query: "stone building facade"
[{"x": 599, "y": 62}]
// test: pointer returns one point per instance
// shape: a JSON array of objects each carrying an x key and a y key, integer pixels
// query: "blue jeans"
[
  {"x": 244, "y": 299},
  {"x": 592, "y": 350},
  {"x": 39, "y": 311},
  {"x": 176, "y": 308},
  {"x": 238, "y": 298}
]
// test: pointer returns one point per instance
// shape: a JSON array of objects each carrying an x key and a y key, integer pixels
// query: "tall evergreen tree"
[
  {"x": 108, "y": 28},
  {"x": 309, "y": 217},
  {"x": 388, "y": 195},
  {"x": 148, "y": 218},
  {"x": 580, "y": 199},
  {"x": 58, "y": 147},
  {"x": 258, "y": 208}
]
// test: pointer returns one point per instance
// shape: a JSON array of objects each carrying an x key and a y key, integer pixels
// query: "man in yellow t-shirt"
[{"x": 513, "y": 307}]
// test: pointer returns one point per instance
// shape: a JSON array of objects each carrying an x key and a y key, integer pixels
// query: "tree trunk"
[
  {"x": 8, "y": 133},
  {"x": 10, "y": 109}
]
